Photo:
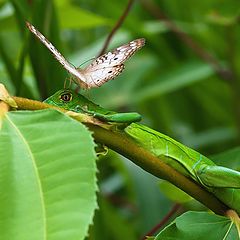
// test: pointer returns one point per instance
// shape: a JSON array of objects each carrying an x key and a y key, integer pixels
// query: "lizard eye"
[{"x": 66, "y": 97}]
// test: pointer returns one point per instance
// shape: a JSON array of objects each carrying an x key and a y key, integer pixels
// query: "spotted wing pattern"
[
  {"x": 110, "y": 65},
  {"x": 99, "y": 76},
  {"x": 102, "y": 69}
]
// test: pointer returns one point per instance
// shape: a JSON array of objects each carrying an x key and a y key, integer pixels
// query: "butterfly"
[{"x": 102, "y": 69}]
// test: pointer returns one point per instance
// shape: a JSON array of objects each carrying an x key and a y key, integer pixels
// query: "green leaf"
[
  {"x": 199, "y": 226},
  {"x": 48, "y": 183}
]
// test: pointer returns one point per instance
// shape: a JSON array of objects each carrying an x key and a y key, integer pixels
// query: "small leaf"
[
  {"x": 48, "y": 183},
  {"x": 200, "y": 226}
]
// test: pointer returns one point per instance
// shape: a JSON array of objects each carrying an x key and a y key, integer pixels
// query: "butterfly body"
[{"x": 102, "y": 69}]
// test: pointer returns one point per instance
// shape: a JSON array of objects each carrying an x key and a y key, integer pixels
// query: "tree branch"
[{"x": 121, "y": 143}]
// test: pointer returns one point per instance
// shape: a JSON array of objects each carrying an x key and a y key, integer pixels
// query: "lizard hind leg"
[{"x": 217, "y": 176}]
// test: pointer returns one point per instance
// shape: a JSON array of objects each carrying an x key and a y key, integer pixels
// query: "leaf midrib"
[{"x": 36, "y": 173}]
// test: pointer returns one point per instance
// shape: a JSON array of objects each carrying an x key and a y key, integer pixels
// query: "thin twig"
[
  {"x": 174, "y": 209},
  {"x": 116, "y": 27},
  {"x": 224, "y": 73}
]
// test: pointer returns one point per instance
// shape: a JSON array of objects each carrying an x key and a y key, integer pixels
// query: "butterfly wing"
[
  {"x": 118, "y": 55},
  {"x": 102, "y": 69},
  {"x": 110, "y": 65},
  {"x": 99, "y": 76},
  {"x": 71, "y": 69}
]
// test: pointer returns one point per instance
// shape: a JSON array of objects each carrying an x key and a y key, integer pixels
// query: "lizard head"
[
  {"x": 67, "y": 99},
  {"x": 61, "y": 98}
]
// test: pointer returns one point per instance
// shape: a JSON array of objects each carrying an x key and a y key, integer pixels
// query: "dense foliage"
[{"x": 185, "y": 83}]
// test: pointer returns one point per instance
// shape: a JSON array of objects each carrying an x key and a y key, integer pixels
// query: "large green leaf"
[
  {"x": 199, "y": 226},
  {"x": 47, "y": 177}
]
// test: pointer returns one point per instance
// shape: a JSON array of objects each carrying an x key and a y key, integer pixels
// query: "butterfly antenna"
[{"x": 65, "y": 82}]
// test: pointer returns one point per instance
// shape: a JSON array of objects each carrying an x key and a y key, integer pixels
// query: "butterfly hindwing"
[
  {"x": 101, "y": 75},
  {"x": 110, "y": 65},
  {"x": 102, "y": 69}
]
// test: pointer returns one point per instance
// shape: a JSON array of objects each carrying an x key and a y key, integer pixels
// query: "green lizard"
[
  {"x": 222, "y": 182},
  {"x": 72, "y": 101}
]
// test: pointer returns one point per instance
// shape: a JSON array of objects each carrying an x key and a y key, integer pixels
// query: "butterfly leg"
[{"x": 70, "y": 79}]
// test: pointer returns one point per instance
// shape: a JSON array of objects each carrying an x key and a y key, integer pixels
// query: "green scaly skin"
[
  {"x": 222, "y": 182},
  {"x": 72, "y": 101}
]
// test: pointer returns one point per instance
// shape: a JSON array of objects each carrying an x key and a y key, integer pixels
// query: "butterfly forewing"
[
  {"x": 110, "y": 65},
  {"x": 56, "y": 53},
  {"x": 102, "y": 69},
  {"x": 118, "y": 55}
]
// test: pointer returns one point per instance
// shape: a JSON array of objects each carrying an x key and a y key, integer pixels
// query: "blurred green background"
[{"x": 172, "y": 86}]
